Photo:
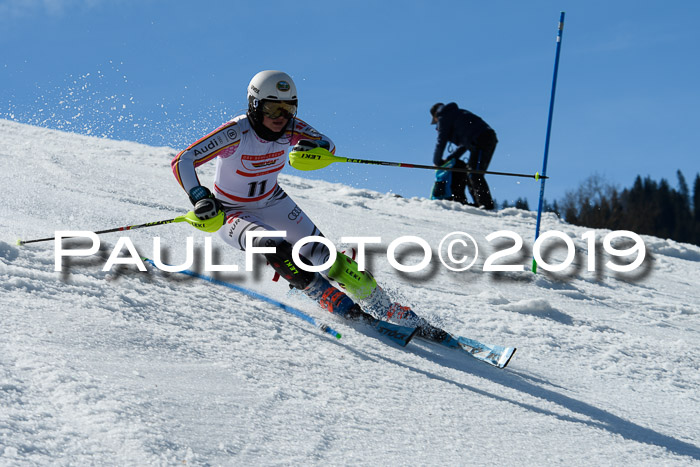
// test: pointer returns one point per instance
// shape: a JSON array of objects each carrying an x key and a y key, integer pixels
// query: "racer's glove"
[
  {"x": 207, "y": 209},
  {"x": 205, "y": 205},
  {"x": 309, "y": 144}
]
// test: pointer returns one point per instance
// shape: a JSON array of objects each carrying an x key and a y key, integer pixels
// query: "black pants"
[
  {"x": 480, "y": 155},
  {"x": 460, "y": 181}
]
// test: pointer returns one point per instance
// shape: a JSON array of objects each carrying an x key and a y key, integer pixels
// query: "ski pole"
[
  {"x": 318, "y": 158},
  {"x": 251, "y": 293},
  {"x": 116, "y": 229}
]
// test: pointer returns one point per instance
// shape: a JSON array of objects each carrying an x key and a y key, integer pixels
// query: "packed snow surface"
[{"x": 123, "y": 367}]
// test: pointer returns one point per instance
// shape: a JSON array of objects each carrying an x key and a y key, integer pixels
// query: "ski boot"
[
  {"x": 379, "y": 304},
  {"x": 363, "y": 288},
  {"x": 333, "y": 300}
]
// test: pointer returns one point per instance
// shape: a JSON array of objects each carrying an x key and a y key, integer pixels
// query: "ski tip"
[
  {"x": 19, "y": 242},
  {"x": 505, "y": 358}
]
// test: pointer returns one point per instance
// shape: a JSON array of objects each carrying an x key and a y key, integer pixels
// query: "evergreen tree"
[
  {"x": 664, "y": 221},
  {"x": 648, "y": 207},
  {"x": 521, "y": 203},
  {"x": 683, "y": 191},
  {"x": 683, "y": 224},
  {"x": 696, "y": 198},
  {"x": 554, "y": 207},
  {"x": 696, "y": 210}
]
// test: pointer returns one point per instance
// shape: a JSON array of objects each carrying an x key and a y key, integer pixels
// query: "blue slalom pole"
[
  {"x": 549, "y": 130},
  {"x": 251, "y": 293}
]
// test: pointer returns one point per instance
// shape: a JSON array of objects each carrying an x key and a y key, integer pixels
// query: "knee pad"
[
  {"x": 282, "y": 262},
  {"x": 345, "y": 271}
]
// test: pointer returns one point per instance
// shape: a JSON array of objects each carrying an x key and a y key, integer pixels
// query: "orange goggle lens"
[{"x": 279, "y": 109}]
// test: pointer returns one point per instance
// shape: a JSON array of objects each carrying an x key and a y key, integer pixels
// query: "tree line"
[{"x": 648, "y": 207}]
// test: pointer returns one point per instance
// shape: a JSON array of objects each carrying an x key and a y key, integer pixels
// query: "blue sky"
[{"x": 166, "y": 72}]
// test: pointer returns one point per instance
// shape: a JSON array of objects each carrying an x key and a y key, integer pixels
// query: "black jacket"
[{"x": 459, "y": 127}]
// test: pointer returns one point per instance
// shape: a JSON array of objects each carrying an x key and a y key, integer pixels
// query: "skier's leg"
[
  {"x": 282, "y": 213},
  {"x": 363, "y": 288},
  {"x": 346, "y": 272},
  {"x": 240, "y": 224},
  {"x": 287, "y": 216}
]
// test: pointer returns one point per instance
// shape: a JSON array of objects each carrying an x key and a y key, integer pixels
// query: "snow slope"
[{"x": 131, "y": 368}]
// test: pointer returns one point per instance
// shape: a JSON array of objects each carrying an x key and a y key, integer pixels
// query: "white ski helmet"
[{"x": 272, "y": 85}]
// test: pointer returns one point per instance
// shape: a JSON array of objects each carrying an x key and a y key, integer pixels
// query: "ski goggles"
[{"x": 277, "y": 109}]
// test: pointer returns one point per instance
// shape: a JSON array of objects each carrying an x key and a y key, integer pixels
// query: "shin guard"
[
  {"x": 281, "y": 261},
  {"x": 345, "y": 271}
]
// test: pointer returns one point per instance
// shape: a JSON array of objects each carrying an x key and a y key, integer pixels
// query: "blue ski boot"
[{"x": 332, "y": 299}]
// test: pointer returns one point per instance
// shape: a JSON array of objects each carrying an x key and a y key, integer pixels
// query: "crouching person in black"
[{"x": 469, "y": 133}]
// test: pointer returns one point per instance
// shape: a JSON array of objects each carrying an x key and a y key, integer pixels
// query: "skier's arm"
[
  {"x": 304, "y": 131},
  {"x": 221, "y": 142}
]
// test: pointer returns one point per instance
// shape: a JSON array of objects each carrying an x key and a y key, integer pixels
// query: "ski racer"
[{"x": 250, "y": 151}]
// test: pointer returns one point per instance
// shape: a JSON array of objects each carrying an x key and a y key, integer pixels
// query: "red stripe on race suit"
[{"x": 255, "y": 174}]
